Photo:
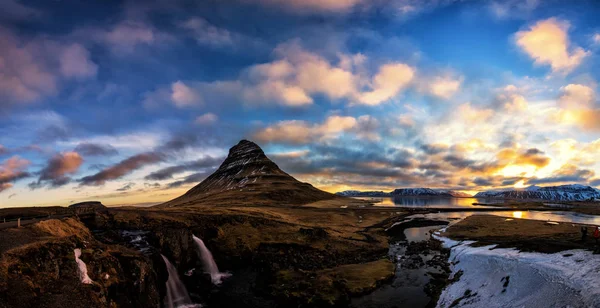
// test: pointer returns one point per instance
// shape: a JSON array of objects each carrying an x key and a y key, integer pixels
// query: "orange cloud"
[
  {"x": 547, "y": 42},
  {"x": 302, "y": 132}
]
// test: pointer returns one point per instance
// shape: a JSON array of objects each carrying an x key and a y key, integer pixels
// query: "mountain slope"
[
  {"x": 248, "y": 177},
  {"x": 358, "y": 193},
  {"x": 429, "y": 192},
  {"x": 573, "y": 192}
]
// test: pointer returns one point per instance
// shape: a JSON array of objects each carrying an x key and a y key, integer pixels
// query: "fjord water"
[
  {"x": 210, "y": 266},
  {"x": 177, "y": 294},
  {"x": 428, "y": 202}
]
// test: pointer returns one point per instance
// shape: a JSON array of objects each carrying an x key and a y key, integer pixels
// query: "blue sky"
[{"x": 131, "y": 103}]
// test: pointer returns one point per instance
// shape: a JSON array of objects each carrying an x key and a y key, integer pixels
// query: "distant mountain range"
[
  {"x": 573, "y": 192},
  {"x": 358, "y": 193},
  {"x": 426, "y": 192}
]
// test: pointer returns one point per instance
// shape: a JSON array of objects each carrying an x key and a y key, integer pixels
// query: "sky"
[{"x": 132, "y": 102}]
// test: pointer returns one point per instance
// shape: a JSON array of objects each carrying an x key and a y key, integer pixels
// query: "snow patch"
[{"x": 500, "y": 277}]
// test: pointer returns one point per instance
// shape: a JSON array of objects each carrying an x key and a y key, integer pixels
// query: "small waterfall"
[
  {"x": 209, "y": 263},
  {"x": 82, "y": 268},
  {"x": 177, "y": 294}
]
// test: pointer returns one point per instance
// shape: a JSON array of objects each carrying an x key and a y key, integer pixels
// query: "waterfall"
[
  {"x": 209, "y": 263},
  {"x": 177, "y": 294},
  {"x": 82, "y": 268}
]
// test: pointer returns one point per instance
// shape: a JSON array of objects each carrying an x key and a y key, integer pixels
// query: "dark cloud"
[
  {"x": 15, "y": 11},
  {"x": 566, "y": 174},
  {"x": 194, "y": 178},
  {"x": 127, "y": 187},
  {"x": 122, "y": 168},
  {"x": 533, "y": 157},
  {"x": 167, "y": 173},
  {"x": 57, "y": 168},
  {"x": 151, "y": 185},
  {"x": 11, "y": 195},
  {"x": 433, "y": 149},
  {"x": 458, "y": 161},
  {"x": 91, "y": 149},
  {"x": 595, "y": 182},
  {"x": 482, "y": 182}
]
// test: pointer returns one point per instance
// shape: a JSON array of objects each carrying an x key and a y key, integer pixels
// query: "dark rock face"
[
  {"x": 88, "y": 204},
  {"x": 45, "y": 274},
  {"x": 249, "y": 177}
]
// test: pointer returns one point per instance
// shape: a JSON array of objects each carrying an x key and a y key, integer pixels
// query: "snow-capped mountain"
[
  {"x": 573, "y": 192},
  {"x": 405, "y": 192},
  {"x": 358, "y": 193},
  {"x": 429, "y": 192}
]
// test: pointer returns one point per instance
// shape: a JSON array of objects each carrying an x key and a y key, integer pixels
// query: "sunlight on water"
[
  {"x": 517, "y": 214},
  {"x": 430, "y": 202}
]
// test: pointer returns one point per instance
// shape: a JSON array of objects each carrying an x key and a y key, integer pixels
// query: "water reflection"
[
  {"x": 568, "y": 217},
  {"x": 430, "y": 202}
]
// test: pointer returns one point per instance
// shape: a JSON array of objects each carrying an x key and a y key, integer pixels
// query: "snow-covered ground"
[{"x": 509, "y": 278}]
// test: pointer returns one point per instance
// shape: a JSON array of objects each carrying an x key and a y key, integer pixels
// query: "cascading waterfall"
[
  {"x": 177, "y": 294},
  {"x": 82, "y": 268},
  {"x": 209, "y": 263}
]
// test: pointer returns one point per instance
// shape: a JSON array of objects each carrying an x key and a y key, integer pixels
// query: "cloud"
[
  {"x": 206, "y": 119},
  {"x": 126, "y": 187},
  {"x": 405, "y": 9},
  {"x": 75, "y": 62},
  {"x": 389, "y": 81},
  {"x": 207, "y": 34},
  {"x": 444, "y": 87},
  {"x": 122, "y": 168},
  {"x": 92, "y": 149},
  {"x": 311, "y": 6},
  {"x": 202, "y": 163},
  {"x": 513, "y": 8},
  {"x": 294, "y": 78},
  {"x": 301, "y": 132},
  {"x": 29, "y": 70},
  {"x": 568, "y": 173},
  {"x": 578, "y": 107},
  {"x": 125, "y": 37},
  {"x": 11, "y": 170},
  {"x": 57, "y": 168},
  {"x": 184, "y": 96},
  {"x": 470, "y": 113},
  {"x": 577, "y": 95},
  {"x": 190, "y": 179},
  {"x": 13, "y": 10},
  {"x": 547, "y": 42}
]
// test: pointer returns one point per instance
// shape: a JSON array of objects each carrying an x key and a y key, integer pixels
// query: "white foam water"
[
  {"x": 82, "y": 268},
  {"x": 177, "y": 294},
  {"x": 210, "y": 266}
]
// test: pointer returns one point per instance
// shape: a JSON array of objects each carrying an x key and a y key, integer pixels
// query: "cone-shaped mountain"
[{"x": 249, "y": 177}]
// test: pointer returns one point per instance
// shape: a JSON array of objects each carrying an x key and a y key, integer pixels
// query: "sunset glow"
[{"x": 130, "y": 103}]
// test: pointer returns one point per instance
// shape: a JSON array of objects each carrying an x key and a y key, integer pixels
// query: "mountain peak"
[{"x": 248, "y": 177}]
